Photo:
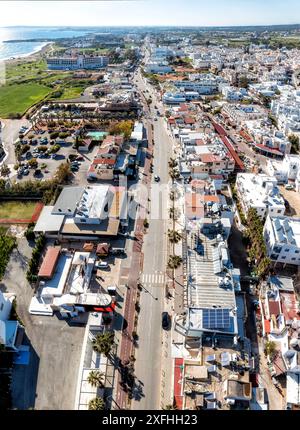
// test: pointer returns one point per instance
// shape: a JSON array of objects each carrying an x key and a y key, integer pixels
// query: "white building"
[
  {"x": 11, "y": 332},
  {"x": 286, "y": 170},
  {"x": 174, "y": 98},
  {"x": 261, "y": 193},
  {"x": 203, "y": 84},
  {"x": 158, "y": 67},
  {"x": 73, "y": 63},
  {"x": 282, "y": 238},
  {"x": 233, "y": 94},
  {"x": 241, "y": 113},
  {"x": 287, "y": 110}
]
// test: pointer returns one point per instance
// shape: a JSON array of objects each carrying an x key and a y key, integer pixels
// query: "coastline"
[{"x": 38, "y": 52}]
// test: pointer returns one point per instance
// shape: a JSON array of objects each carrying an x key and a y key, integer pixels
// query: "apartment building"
[
  {"x": 239, "y": 114},
  {"x": 287, "y": 111},
  {"x": 267, "y": 139},
  {"x": 205, "y": 84},
  {"x": 282, "y": 238},
  {"x": 259, "y": 192}
]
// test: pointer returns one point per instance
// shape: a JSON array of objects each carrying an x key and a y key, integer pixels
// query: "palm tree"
[
  {"x": 96, "y": 378},
  {"x": 169, "y": 407},
  {"x": 174, "y": 236},
  {"x": 174, "y": 261},
  {"x": 172, "y": 163},
  {"x": 103, "y": 343},
  {"x": 270, "y": 349},
  {"x": 96, "y": 404}
]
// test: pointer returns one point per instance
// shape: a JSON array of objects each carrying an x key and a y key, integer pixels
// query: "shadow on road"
[{"x": 24, "y": 380}]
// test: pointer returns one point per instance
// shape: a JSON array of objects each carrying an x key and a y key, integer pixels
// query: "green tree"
[
  {"x": 5, "y": 170},
  {"x": 295, "y": 143},
  {"x": 270, "y": 349},
  {"x": 62, "y": 173}
]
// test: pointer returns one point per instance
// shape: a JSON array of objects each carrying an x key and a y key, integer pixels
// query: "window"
[
  {"x": 296, "y": 251},
  {"x": 1, "y": 306},
  {"x": 283, "y": 257},
  {"x": 293, "y": 259},
  {"x": 286, "y": 250}
]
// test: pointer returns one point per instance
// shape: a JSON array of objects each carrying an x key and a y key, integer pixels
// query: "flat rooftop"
[
  {"x": 67, "y": 201},
  {"x": 92, "y": 201},
  {"x": 204, "y": 284},
  {"x": 259, "y": 190},
  {"x": 48, "y": 221},
  {"x": 108, "y": 227},
  {"x": 286, "y": 230}
]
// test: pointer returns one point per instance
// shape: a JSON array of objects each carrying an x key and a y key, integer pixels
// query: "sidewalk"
[{"x": 126, "y": 341}]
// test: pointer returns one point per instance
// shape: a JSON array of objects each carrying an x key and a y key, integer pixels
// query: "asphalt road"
[
  {"x": 149, "y": 352},
  {"x": 10, "y": 134}
]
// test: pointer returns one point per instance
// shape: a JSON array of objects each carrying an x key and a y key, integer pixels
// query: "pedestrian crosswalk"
[{"x": 153, "y": 278}]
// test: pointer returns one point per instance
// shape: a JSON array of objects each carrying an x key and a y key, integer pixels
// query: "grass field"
[
  {"x": 16, "y": 99},
  {"x": 28, "y": 82},
  {"x": 16, "y": 209}
]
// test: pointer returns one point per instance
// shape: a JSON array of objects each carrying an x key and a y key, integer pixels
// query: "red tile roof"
[
  {"x": 49, "y": 263},
  {"x": 212, "y": 198},
  {"x": 109, "y": 161},
  {"x": 274, "y": 307},
  {"x": 178, "y": 382},
  {"x": 289, "y": 305},
  {"x": 267, "y": 149},
  {"x": 267, "y": 326},
  {"x": 209, "y": 158},
  {"x": 189, "y": 120}
]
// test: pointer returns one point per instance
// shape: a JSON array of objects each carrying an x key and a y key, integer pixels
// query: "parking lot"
[{"x": 49, "y": 154}]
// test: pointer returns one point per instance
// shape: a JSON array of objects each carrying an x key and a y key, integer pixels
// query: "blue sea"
[{"x": 21, "y": 49}]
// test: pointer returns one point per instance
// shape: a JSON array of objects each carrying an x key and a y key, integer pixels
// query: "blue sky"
[{"x": 150, "y": 12}]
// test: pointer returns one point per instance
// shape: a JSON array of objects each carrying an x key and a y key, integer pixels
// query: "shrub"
[{"x": 54, "y": 135}]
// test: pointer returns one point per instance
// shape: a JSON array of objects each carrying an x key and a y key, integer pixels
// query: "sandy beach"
[{"x": 40, "y": 53}]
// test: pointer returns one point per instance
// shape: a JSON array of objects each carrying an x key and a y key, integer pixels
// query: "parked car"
[
  {"x": 156, "y": 178},
  {"x": 165, "y": 320},
  {"x": 118, "y": 251},
  {"x": 289, "y": 187},
  {"x": 37, "y": 172},
  {"x": 101, "y": 265}
]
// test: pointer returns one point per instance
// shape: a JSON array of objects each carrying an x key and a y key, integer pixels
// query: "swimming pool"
[{"x": 97, "y": 135}]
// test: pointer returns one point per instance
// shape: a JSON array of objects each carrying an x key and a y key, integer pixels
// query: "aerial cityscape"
[{"x": 149, "y": 206}]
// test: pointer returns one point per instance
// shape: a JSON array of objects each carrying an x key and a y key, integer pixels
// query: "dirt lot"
[{"x": 293, "y": 197}]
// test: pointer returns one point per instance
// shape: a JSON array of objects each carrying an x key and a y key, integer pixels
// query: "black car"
[{"x": 165, "y": 320}]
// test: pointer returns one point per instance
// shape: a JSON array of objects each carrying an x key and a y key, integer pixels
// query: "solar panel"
[{"x": 215, "y": 318}]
